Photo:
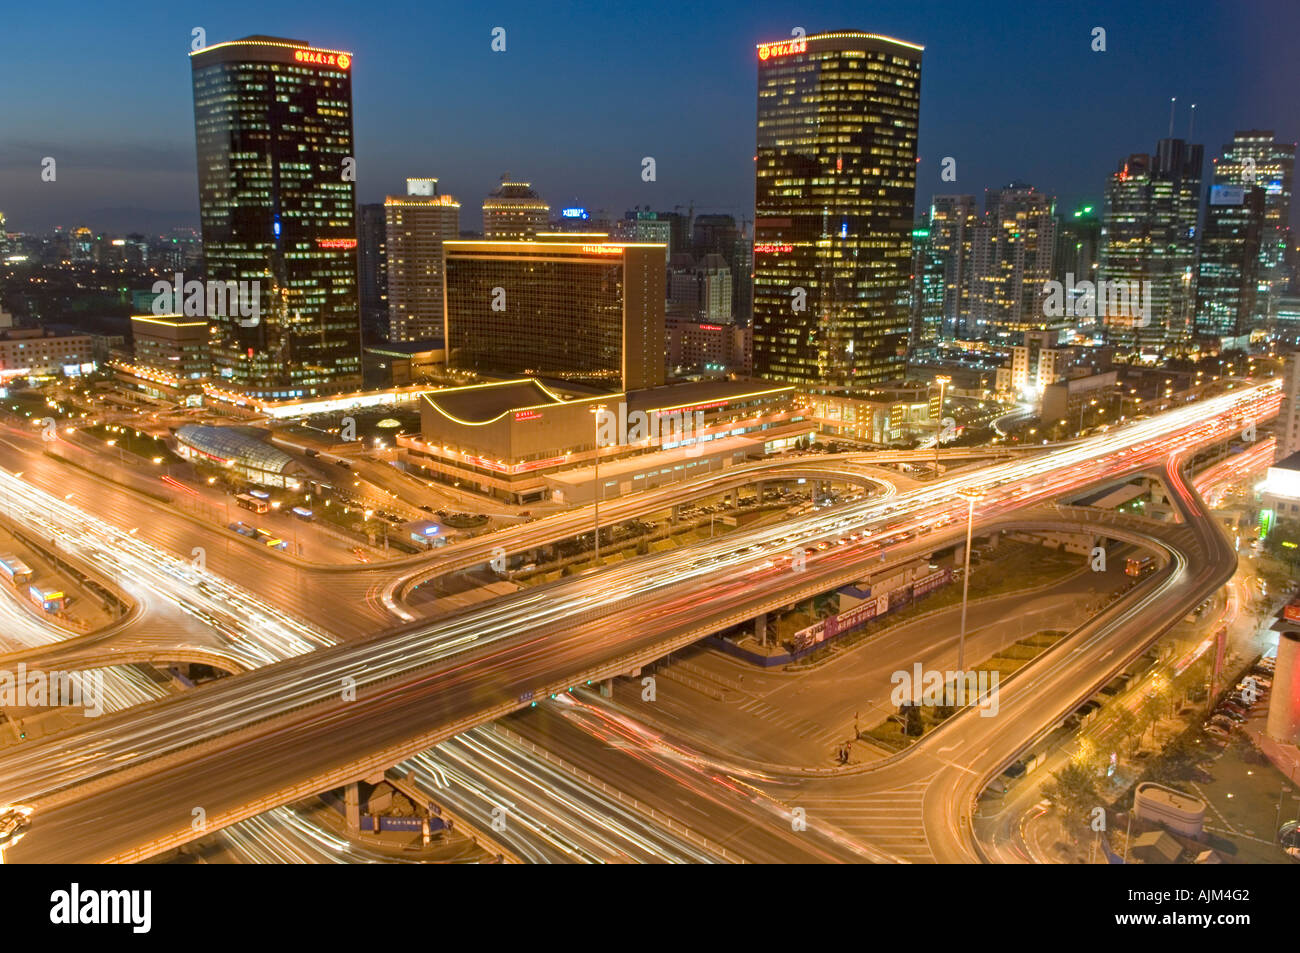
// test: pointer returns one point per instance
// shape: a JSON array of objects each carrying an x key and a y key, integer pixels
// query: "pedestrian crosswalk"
[
  {"x": 801, "y": 727},
  {"x": 890, "y": 820}
]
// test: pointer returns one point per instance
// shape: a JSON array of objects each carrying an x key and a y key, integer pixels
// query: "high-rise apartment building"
[
  {"x": 1011, "y": 263},
  {"x": 1148, "y": 234},
  {"x": 952, "y": 224},
  {"x": 514, "y": 212},
  {"x": 1255, "y": 159},
  {"x": 586, "y": 313},
  {"x": 835, "y": 180},
  {"x": 417, "y": 225},
  {"x": 273, "y": 128}
]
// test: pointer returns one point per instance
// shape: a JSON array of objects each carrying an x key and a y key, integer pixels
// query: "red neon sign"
[
  {"x": 602, "y": 250},
  {"x": 761, "y": 249},
  {"x": 336, "y": 243},
  {"x": 528, "y": 415},
  {"x": 782, "y": 48},
  {"x": 321, "y": 58}
]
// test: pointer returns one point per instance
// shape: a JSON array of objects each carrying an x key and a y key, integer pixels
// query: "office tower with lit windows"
[
  {"x": 1011, "y": 262},
  {"x": 1253, "y": 159},
  {"x": 1228, "y": 281},
  {"x": 927, "y": 295},
  {"x": 417, "y": 225},
  {"x": 273, "y": 128},
  {"x": 514, "y": 212},
  {"x": 835, "y": 180},
  {"x": 1148, "y": 233},
  {"x": 582, "y": 312}
]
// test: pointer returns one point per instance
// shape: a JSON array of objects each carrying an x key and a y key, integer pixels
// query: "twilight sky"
[{"x": 1011, "y": 90}]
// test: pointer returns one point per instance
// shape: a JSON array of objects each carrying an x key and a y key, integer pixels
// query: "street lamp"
[
  {"x": 596, "y": 412},
  {"x": 965, "y": 581},
  {"x": 943, "y": 382}
]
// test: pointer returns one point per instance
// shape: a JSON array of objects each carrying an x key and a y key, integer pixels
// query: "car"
[
  {"x": 14, "y": 823},
  {"x": 1223, "y": 721},
  {"x": 1214, "y": 731},
  {"x": 1228, "y": 713}
]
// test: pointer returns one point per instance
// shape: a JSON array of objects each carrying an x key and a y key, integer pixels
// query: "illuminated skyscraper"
[
  {"x": 273, "y": 126},
  {"x": 418, "y": 223},
  {"x": 1228, "y": 284},
  {"x": 1011, "y": 261},
  {"x": 514, "y": 212},
  {"x": 835, "y": 177},
  {"x": 1255, "y": 159},
  {"x": 1148, "y": 233}
]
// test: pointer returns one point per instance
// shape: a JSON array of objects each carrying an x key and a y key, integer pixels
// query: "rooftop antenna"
[
  {"x": 1172, "y": 100},
  {"x": 1191, "y": 127}
]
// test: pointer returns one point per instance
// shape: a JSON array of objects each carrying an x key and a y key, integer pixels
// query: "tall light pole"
[
  {"x": 965, "y": 581},
  {"x": 596, "y": 412},
  {"x": 942, "y": 382}
]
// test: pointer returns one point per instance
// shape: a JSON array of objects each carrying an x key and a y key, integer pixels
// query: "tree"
[{"x": 1073, "y": 791}]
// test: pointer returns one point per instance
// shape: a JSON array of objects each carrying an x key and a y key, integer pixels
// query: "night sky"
[{"x": 584, "y": 90}]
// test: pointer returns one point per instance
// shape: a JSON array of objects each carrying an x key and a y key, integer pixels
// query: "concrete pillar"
[
  {"x": 352, "y": 804},
  {"x": 760, "y": 629},
  {"x": 607, "y": 688}
]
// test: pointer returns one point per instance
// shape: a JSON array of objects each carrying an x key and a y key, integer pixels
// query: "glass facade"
[
  {"x": 1148, "y": 233},
  {"x": 835, "y": 181},
  {"x": 273, "y": 127}
]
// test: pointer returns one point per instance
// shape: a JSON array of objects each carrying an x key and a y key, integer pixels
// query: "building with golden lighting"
[
  {"x": 514, "y": 212},
  {"x": 417, "y": 224},
  {"x": 277, "y": 202},
  {"x": 835, "y": 179},
  {"x": 585, "y": 313}
]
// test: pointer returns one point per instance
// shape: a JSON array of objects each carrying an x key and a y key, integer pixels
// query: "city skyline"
[{"x": 521, "y": 111}]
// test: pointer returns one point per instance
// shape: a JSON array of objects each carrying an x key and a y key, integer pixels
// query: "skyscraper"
[
  {"x": 1011, "y": 262},
  {"x": 514, "y": 212},
  {"x": 417, "y": 225},
  {"x": 372, "y": 267},
  {"x": 952, "y": 225},
  {"x": 1255, "y": 159},
  {"x": 835, "y": 180},
  {"x": 1148, "y": 233},
  {"x": 273, "y": 128},
  {"x": 1228, "y": 280}
]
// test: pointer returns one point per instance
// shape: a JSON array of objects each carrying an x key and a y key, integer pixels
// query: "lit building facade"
[
  {"x": 273, "y": 127},
  {"x": 1148, "y": 233},
  {"x": 1011, "y": 262},
  {"x": 835, "y": 177},
  {"x": 417, "y": 225},
  {"x": 1255, "y": 159},
  {"x": 1228, "y": 281},
  {"x": 515, "y": 212},
  {"x": 582, "y": 313}
]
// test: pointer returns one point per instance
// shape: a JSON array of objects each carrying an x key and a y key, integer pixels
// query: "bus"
[
  {"x": 260, "y": 494},
  {"x": 249, "y": 502},
  {"x": 1137, "y": 567},
  {"x": 15, "y": 570},
  {"x": 303, "y": 513},
  {"x": 270, "y": 539}
]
